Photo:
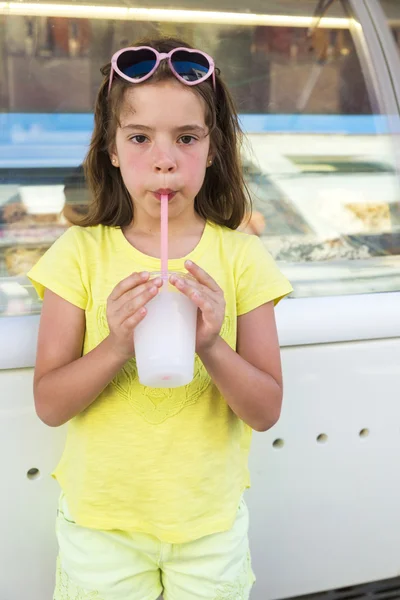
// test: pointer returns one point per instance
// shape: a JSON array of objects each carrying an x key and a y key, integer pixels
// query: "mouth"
[{"x": 164, "y": 192}]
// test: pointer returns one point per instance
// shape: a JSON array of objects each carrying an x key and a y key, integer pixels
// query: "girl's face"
[{"x": 162, "y": 145}]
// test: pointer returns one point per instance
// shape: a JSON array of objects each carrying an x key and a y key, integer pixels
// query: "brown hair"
[{"x": 223, "y": 198}]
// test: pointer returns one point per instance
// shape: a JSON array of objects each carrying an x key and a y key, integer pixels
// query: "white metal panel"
[
  {"x": 323, "y": 515},
  {"x": 18, "y": 337},
  {"x": 326, "y": 514},
  {"x": 27, "y": 506},
  {"x": 300, "y": 321},
  {"x": 338, "y": 318}
]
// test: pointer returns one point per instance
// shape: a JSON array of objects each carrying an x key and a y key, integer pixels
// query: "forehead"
[{"x": 162, "y": 102}]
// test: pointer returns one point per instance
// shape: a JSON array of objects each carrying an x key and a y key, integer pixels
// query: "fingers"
[
  {"x": 137, "y": 291},
  {"x": 202, "y": 276},
  {"x": 186, "y": 285},
  {"x": 207, "y": 306},
  {"x": 135, "y": 319},
  {"x": 138, "y": 302},
  {"x": 125, "y": 306},
  {"x": 191, "y": 288},
  {"x": 201, "y": 296},
  {"x": 128, "y": 283}
]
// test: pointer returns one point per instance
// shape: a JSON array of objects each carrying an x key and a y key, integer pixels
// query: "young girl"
[{"x": 153, "y": 479}]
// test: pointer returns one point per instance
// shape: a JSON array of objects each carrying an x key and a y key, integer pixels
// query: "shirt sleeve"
[
  {"x": 60, "y": 270},
  {"x": 258, "y": 279}
]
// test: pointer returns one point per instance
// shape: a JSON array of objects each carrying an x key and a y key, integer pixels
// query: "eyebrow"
[{"x": 192, "y": 128}]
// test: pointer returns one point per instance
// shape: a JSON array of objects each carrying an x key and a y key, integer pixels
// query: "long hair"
[{"x": 223, "y": 198}]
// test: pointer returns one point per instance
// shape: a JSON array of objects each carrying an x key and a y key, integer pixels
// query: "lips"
[{"x": 164, "y": 192}]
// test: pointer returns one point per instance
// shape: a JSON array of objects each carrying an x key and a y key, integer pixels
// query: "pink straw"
[{"x": 164, "y": 237}]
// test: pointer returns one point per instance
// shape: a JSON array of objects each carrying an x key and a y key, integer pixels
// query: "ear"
[
  {"x": 114, "y": 159},
  {"x": 210, "y": 160}
]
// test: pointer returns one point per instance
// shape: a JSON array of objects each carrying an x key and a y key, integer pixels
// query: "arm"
[
  {"x": 65, "y": 382},
  {"x": 250, "y": 379}
]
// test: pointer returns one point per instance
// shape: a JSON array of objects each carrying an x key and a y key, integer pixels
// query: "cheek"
[
  {"x": 133, "y": 168},
  {"x": 134, "y": 158},
  {"x": 196, "y": 169}
]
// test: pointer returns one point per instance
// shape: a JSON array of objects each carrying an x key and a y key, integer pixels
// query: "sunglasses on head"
[{"x": 191, "y": 67}]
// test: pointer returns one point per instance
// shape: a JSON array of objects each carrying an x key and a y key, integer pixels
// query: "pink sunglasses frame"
[{"x": 159, "y": 57}]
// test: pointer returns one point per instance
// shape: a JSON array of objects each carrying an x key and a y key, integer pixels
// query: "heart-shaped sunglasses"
[{"x": 137, "y": 64}]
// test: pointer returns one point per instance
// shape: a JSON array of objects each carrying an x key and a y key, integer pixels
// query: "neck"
[
  {"x": 183, "y": 235},
  {"x": 179, "y": 226}
]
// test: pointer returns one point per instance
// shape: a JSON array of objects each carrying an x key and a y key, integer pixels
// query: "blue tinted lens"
[
  {"x": 136, "y": 63},
  {"x": 190, "y": 65},
  {"x": 189, "y": 70},
  {"x": 140, "y": 70}
]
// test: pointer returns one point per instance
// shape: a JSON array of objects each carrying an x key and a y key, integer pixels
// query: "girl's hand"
[
  {"x": 209, "y": 298},
  {"x": 126, "y": 308}
]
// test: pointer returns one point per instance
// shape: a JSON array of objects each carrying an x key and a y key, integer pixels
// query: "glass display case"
[{"x": 321, "y": 151}]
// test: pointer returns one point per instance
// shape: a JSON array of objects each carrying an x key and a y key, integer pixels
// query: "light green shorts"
[{"x": 120, "y": 565}]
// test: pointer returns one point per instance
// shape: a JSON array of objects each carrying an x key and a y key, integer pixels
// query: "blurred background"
[{"x": 321, "y": 159}]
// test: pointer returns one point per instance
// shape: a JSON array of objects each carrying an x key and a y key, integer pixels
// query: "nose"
[{"x": 164, "y": 163}]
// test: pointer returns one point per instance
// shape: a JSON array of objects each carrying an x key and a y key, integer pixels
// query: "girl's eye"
[
  {"x": 186, "y": 140},
  {"x": 139, "y": 139}
]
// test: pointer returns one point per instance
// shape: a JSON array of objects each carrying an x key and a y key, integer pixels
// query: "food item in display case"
[
  {"x": 16, "y": 215},
  {"x": 30, "y": 235},
  {"x": 299, "y": 249},
  {"x": 39, "y": 200},
  {"x": 19, "y": 260},
  {"x": 12, "y": 213},
  {"x": 25, "y": 236},
  {"x": 374, "y": 217},
  {"x": 21, "y": 225}
]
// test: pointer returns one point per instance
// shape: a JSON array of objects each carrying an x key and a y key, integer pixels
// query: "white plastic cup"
[{"x": 165, "y": 339}]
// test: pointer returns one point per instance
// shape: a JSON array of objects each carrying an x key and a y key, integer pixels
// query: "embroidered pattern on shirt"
[
  {"x": 156, "y": 405},
  {"x": 67, "y": 590}
]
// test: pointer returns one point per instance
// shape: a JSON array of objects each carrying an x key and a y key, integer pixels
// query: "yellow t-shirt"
[{"x": 168, "y": 462}]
